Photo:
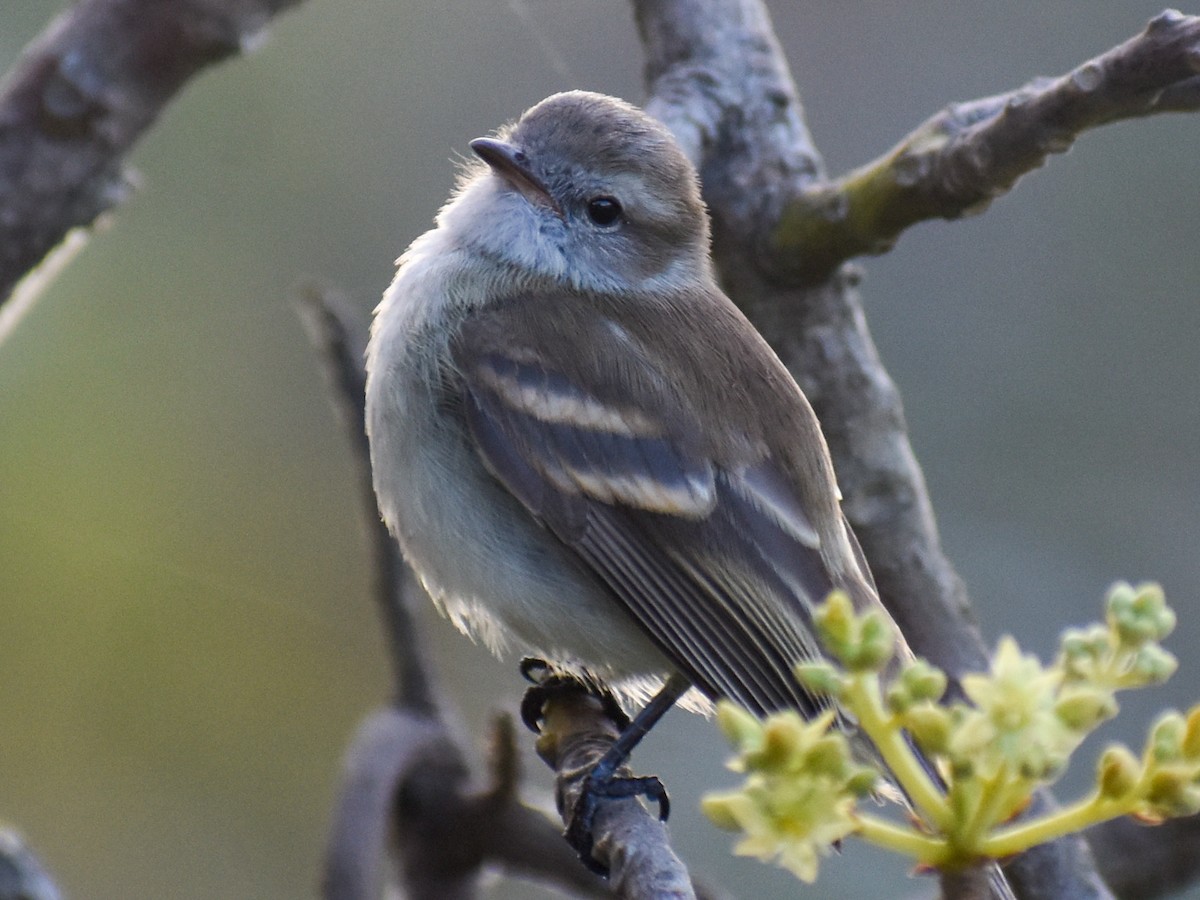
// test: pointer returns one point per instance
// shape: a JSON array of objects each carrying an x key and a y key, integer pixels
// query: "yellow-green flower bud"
[
  {"x": 1139, "y": 614},
  {"x": 721, "y": 810},
  {"x": 741, "y": 728},
  {"x": 1082, "y": 708},
  {"x": 836, "y": 623},
  {"x": 1046, "y": 766},
  {"x": 1152, "y": 608},
  {"x": 829, "y": 755},
  {"x": 961, "y": 768},
  {"x": 1082, "y": 650},
  {"x": 862, "y": 782},
  {"x": 785, "y": 741},
  {"x": 820, "y": 678},
  {"x": 925, "y": 681},
  {"x": 897, "y": 699},
  {"x": 1189, "y": 801},
  {"x": 1191, "y": 735},
  {"x": 1166, "y": 737},
  {"x": 929, "y": 724},
  {"x": 1118, "y": 772},
  {"x": 875, "y": 645},
  {"x": 1168, "y": 791},
  {"x": 1153, "y": 664}
]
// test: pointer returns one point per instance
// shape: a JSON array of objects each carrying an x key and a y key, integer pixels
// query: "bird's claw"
[
  {"x": 546, "y": 683},
  {"x": 613, "y": 787}
]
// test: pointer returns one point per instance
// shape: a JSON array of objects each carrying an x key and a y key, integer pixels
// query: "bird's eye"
[{"x": 603, "y": 210}]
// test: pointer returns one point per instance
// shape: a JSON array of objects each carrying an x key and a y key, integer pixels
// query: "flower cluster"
[
  {"x": 979, "y": 760},
  {"x": 800, "y": 790}
]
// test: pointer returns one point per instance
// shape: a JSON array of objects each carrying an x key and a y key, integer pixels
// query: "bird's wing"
[{"x": 707, "y": 543}]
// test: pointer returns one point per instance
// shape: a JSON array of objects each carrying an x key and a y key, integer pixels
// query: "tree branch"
[
  {"x": 342, "y": 351},
  {"x": 81, "y": 95},
  {"x": 22, "y": 875},
  {"x": 1143, "y": 863},
  {"x": 718, "y": 79},
  {"x": 958, "y": 161},
  {"x": 632, "y": 843}
]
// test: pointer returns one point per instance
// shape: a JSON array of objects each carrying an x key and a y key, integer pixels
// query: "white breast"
[{"x": 487, "y": 563}]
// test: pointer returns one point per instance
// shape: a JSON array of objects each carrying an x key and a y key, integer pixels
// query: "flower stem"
[
  {"x": 900, "y": 839},
  {"x": 862, "y": 697},
  {"x": 1076, "y": 817}
]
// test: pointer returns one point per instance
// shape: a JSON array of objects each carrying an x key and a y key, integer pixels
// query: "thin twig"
[
  {"x": 22, "y": 875},
  {"x": 341, "y": 348}
]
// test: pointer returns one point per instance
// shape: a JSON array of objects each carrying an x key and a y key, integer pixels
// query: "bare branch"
[
  {"x": 81, "y": 95},
  {"x": 717, "y": 77},
  {"x": 405, "y": 783},
  {"x": 959, "y": 160},
  {"x": 341, "y": 347},
  {"x": 391, "y": 748},
  {"x": 21, "y": 872},
  {"x": 1144, "y": 863}
]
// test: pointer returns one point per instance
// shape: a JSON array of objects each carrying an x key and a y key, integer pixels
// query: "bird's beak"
[{"x": 512, "y": 165}]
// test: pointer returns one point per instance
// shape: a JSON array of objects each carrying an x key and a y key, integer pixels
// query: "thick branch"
[
  {"x": 80, "y": 96},
  {"x": 718, "y": 79},
  {"x": 1143, "y": 863},
  {"x": 959, "y": 160}
]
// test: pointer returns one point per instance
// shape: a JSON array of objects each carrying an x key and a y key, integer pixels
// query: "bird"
[{"x": 585, "y": 449}]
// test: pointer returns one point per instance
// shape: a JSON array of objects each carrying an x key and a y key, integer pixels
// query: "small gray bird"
[{"x": 584, "y": 448}]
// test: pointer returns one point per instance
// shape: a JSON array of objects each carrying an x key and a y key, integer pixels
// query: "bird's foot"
[
  {"x": 598, "y": 787},
  {"x": 548, "y": 683},
  {"x": 606, "y": 779}
]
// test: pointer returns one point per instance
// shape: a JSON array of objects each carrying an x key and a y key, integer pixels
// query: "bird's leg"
[{"x": 604, "y": 781}]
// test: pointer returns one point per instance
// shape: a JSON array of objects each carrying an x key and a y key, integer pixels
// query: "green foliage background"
[{"x": 187, "y": 640}]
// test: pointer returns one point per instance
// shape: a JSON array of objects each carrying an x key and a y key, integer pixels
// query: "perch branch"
[
  {"x": 1143, "y": 863},
  {"x": 958, "y": 161},
  {"x": 631, "y": 842},
  {"x": 326, "y": 318}
]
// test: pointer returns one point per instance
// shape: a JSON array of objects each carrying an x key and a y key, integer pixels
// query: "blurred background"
[{"x": 188, "y": 639}]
